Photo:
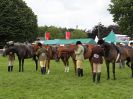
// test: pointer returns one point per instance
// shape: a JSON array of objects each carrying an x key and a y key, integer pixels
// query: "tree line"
[
  {"x": 19, "y": 23},
  {"x": 59, "y": 33}
]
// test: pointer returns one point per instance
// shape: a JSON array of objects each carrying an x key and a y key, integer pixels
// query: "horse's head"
[
  {"x": 5, "y": 51},
  {"x": 110, "y": 50},
  {"x": 106, "y": 46},
  {"x": 60, "y": 50},
  {"x": 36, "y": 47}
]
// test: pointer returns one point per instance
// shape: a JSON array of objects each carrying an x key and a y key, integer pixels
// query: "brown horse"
[
  {"x": 113, "y": 54},
  {"x": 51, "y": 54},
  {"x": 64, "y": 54},
  {"x": 69, "y": 51}
]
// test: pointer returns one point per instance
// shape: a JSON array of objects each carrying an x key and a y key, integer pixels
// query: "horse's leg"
[
  {"x": 67, "y": 63},
  {"x": 63, "y": 60},
  {"x": 127, "y": 63},
  {"x": 36, "y": 62},
  {"x": 114, "y": 70},
  {"x": 19, "y": 65},
  {"x": 22, "y": 65},
  {"x": 48, "y": 64},
  {"x": 91, "y": 65},
  {"x": 107, "y": 65},
  {"x": 132, "y": 69}
]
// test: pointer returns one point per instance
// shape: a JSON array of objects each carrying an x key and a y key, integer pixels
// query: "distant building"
[{"x": 122, "y": 37}]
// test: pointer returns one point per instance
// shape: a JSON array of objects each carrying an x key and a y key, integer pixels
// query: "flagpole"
[{"x": 98, "y": 29}]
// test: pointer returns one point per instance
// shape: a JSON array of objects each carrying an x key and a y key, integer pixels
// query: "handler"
[
  {"x": 97, "y": 59},
  {"x": 97, "y": 53},
  {"x": 11, "y": 58},
  {"x": 41, "y": 53},
  {"x": 79, "y": 58}
]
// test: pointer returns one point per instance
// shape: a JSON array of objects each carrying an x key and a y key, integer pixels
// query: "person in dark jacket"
[
  {"x": 41, "y": 53},
  {"x": 97, "y": 59}
]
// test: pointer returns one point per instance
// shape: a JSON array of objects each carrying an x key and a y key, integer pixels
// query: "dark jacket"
[
  {"x": 41, "y": 52},
  {"x": 97, "y": 53}
]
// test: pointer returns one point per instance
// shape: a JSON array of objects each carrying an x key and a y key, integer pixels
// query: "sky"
[{"x": 84, "y": 14}]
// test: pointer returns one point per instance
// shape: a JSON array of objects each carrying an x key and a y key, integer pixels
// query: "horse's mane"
[{"x": 22, "y": 44}]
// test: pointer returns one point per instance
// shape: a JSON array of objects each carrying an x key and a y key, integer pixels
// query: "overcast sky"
[{"x": 70, "y": 13}]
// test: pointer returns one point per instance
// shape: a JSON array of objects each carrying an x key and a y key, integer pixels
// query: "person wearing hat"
[
  {"x": 11, "y": 58},
  {"x": 97, "y": 59},
  {"x": 79, "y": 52},
  {"x": 41, "y": 53}
]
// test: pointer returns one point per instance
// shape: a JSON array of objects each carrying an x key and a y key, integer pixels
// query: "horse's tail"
[{"x": 127, "y": 63}]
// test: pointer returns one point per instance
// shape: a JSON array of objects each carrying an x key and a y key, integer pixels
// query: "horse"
[
  {"x": 51, "y": 55},
  {"x": 23, "y": 51},
  {"x": 114, "y": 54},
  {"x": 64, "y": 56},
  {"x": 69, "y": 51},
  {"x": 50, "y": 52}
]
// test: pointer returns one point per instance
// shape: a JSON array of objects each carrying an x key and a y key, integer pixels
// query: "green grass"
[{"x": 30, "y": 84}]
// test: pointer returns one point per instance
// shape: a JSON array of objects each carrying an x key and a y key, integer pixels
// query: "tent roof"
[
  {"x": 71, "y": 41},
  {"x": 111, "y": 37}
]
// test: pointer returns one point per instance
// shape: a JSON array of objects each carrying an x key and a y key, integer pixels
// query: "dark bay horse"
[
  {"x": 69, "y": 51},
  {"x": 23, "y": 51},
  {"x": 114, "y": 54}
]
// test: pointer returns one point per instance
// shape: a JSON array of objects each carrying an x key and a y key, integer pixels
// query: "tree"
[
  {"x": 55, "y": 32},
  {"x": 102, "y": 31},
  {"x": 59, "y": 33},
  {"x": 115, "y": 28},
  {"x": 122, "y": 11},
  {"x": 17, "y": 21},
  {"x": 76, "y": 34}
]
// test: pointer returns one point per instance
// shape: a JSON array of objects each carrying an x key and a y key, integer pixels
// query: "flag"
[
  {"x": 47, "y": 35},
  {"x": 67, "y": 35}
]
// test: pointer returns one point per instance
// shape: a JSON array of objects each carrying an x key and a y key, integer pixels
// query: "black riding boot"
[
  {"x": 81, "y": 72},
  {"x": 98, "y": 77},
  {"x": 11, "y": 68},
  {"x": 42, "y": 70},
  {"x": 94, "y": 76}
]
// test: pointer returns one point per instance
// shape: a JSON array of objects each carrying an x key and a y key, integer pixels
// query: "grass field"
[{"x": 30, "y": 84}]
